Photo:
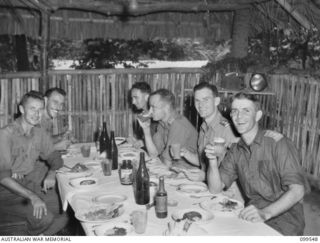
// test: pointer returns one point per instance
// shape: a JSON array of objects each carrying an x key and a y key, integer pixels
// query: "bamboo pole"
[{"x": 45, "y": 39}]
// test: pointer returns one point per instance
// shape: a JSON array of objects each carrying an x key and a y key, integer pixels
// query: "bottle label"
[
  {"x": 161, "y": 204},
  {"x": 126, "y": 176}
]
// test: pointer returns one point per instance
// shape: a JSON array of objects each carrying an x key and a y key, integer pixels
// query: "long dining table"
[{"x": 83, "y": 198}]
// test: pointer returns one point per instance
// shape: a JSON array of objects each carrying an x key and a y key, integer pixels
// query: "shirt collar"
[
  {"x": 18, "y": 125},
  {"x": 215, "y": 121},
  {"x": 257, "y": 140},
  {"x": 171, "y": 119}
]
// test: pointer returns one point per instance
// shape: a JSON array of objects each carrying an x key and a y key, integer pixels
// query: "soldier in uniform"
[
  {"x": 206, "y": 99},
  {"x": 267, "y": 166}
]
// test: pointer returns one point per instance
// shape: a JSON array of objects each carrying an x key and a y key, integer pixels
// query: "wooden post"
[{"x": 45, "y": 39}]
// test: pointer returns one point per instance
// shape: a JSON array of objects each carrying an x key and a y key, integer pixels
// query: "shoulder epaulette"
[
  {"x": 273, "y": 134},
  {"x": 224, "y": 123}
]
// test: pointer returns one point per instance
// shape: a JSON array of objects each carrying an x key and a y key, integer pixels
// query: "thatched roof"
[{"x": 132, "y": 19}]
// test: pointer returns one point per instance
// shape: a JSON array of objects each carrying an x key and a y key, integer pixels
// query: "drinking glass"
[{"x": 139, "y": 219}]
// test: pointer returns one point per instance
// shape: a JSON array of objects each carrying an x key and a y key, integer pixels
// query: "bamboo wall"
[{"x": 292, "y": 107}]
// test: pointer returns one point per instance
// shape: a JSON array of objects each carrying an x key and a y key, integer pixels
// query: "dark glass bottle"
[
  {"x": 161, "y": 200},
  {"x": 104, "y": 139},
  {"x": 142, "y": 193},
  {"x": 113, "y": 153}
]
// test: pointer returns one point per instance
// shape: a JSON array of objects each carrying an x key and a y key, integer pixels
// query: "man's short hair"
[
  {"x": 142, "y": 86},
  {"x": 50, "y": 91},
  {"x": 31, "y": 94},
  {"x": 166, "y": 96},
  {"x": 248, "y": 96},
  {"x": 203, "y": 85}
]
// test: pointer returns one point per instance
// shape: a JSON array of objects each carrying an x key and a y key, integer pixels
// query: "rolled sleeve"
[
  {"x": 288, "y": 160},
  {"x": 5, "y": 156}
]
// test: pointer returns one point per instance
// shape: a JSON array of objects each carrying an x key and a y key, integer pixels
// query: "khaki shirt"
[
  {"x": 265, "y": 169},
  {"x": 178, "y": 129},
  {"x": 19, "y": 152},
  {"x": 219, "y": 127}
]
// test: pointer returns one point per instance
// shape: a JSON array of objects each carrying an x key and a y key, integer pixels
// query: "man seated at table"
[
  {"x": 173, "y": 128},
  {"x": 214, "y": 125},
  {"x": 267, "y": 166},
  {"x": 140, "y": 92},
  {"x": 54, "y": 104},
  {"x": 21, "y": 144}
]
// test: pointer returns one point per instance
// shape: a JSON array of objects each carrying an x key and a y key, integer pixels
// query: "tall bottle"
[
  {"x": 161, "y": 200},
  {"x": 104, "y": 139},
  {"x": 113, "y": 151},
  {"x": 142, "y": 193}
]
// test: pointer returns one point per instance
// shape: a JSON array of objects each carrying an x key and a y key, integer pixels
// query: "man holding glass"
[
  {"x": 173, "y": 128},
  {"x": 267, "y": 166}
]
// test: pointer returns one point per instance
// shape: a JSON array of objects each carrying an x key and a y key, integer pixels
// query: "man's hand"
[
  {"x": 49, "y": 182},
  {"x": 39, "y": 207},
  {"x": 135, "y": 142},
  {"x": 62, "y": 145},
  {"x": 210, "y": 152},
  {"x": 144, "y": 125},
  {"x": 251, "y": 213},
  {"x": 17, "y": 176}
]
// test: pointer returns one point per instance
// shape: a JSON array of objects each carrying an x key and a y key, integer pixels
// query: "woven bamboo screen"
[{"x": 292, "y": 108}]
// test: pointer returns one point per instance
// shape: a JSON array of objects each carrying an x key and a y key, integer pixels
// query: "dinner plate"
[
  {"x": 119, "y": 140},
  {"x": 100, "y": 214},
  {"x": 84, "y": 182},
  {"x": 198, "y": 214},
  {"x": 222, "y": 205},
  {"x": 109, "y": 198},
  {"x": 113, "y": 229},
  {"x": 92, "y": 164},
  {"x": 192, "y": 188}
]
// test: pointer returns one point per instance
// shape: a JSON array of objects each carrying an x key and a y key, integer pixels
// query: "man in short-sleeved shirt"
[
  {"x": 21, "y": 144},
  {"x": 172, "y": 128},
  {"x": 267, "y": 166}
]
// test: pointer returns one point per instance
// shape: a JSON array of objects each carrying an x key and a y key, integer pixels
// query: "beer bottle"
[
  {"x": 161, "y": 200},
  {"x": 142, "y": 193},
  {"x": 113, "y": 151},
  {"x": 104, "y": 139}
]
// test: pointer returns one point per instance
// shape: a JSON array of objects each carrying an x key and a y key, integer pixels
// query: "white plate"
[
  {"x": 92, "y": 164},
  {"x": 205, "y": 215},
  {"x": 119, "y": 140},
  {"x": 112, "y": 229},
  {"x": 192, "y": 188},
  {"x": 219, "y": 205},
  {"x": 100, "y": 214},
  {"x": 109, "y": 198},
  {"x": 84, "y": 182}
]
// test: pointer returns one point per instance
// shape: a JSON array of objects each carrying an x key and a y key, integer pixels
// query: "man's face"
[
  {"x": 55, "y": 104},
  {"x": 205, "y": 102},
  {"x": 244, "y": 115},
  {"x": 32, "y": 111},
  {"x": 158, "y": 108},
  {"x": 139, "y": 99}
]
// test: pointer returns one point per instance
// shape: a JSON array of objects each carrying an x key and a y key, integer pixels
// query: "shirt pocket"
[{"x": 266, "y": 180}]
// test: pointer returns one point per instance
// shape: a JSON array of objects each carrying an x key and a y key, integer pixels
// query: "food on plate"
[
  {"x": 79, "y": 168},
  {"x": 87, "y": 182},
  {"x": 102, "y": 214},
  {"x": 192, "y": 215},
  {"x": 151, "y": 183},
  {"x": 129, "y": 155},
  {"x": 228, "y": 204},
  {"x": 115, "y": 231}
]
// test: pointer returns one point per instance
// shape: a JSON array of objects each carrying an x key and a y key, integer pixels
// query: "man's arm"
[
  {"x": 284, "y": 203},
  {"x": 215, "y": 183},
  {"x": 192, "y": 158},
  {"x": 39, "y": 206},
  {"x": 151, "y": 147}
]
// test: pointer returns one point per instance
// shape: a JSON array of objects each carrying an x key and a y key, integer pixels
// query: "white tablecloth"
[{"x": 228, "y": 225}]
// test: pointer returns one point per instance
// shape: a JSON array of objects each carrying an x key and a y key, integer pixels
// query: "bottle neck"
[{"x": 161, "y": 185}]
